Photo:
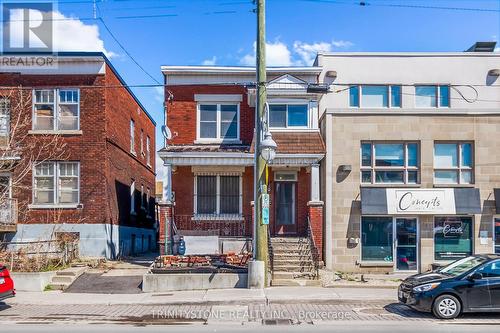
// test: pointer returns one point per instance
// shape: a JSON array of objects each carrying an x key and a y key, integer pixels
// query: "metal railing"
[
  {"x": 314, "y": 249},
  {"x": 8, "y": 212},
  {"x": 229, "y": 226}
]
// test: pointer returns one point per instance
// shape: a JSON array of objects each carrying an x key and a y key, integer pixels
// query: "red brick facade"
[{"x": 102, "y": 147}]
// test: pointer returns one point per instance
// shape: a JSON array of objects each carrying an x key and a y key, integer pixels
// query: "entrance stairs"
[{"x": 292, "y": 262}]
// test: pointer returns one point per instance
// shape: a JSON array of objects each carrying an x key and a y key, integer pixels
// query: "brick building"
[
  {"x": 83, "y": 163},
  {"x": 210, "y": 154}
]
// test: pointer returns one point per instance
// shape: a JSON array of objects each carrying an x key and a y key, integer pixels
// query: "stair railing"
[{"x": 314, "y": 249}]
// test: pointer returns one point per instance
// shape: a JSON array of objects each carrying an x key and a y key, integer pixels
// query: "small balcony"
[{"x": 8, "y": 215}]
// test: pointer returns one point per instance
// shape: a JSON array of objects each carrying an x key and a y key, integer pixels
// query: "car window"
[
  {"x": 490, "y": 270},
  {"x": 461, "y": 266}
]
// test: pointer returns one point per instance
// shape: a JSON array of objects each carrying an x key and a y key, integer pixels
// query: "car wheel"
[{"x": 446, "y": 307}]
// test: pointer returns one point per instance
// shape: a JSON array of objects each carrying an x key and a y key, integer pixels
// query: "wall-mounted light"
[
  {"x": 268, "y": 148},
  {"x": 345, "y": 168},
  {"x": 318, "y": 89},
  {"x": 332, "y": 74}
]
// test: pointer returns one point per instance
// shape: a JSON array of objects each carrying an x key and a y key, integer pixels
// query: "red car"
[{"x": 6, "y": 284}]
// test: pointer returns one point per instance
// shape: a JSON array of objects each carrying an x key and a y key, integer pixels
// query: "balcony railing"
[
  {"x": 8, "y": 215},
  {"x": 225, "y": 226}
]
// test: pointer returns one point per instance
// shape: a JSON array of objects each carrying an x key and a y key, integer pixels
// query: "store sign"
[{"x": 420, "y": 201}]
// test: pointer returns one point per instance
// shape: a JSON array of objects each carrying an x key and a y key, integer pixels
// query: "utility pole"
[{"x": 258, "y": 268}]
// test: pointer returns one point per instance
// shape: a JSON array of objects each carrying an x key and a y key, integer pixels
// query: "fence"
[
  {"x": 38, "y": 256},
  {"x": 238, "y": 226}
]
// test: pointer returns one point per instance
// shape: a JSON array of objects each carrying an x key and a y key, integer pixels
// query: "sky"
[{"x": 223, "y": 32}]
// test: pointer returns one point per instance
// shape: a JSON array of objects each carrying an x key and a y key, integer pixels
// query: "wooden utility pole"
[{"x": 261, "y": 246}]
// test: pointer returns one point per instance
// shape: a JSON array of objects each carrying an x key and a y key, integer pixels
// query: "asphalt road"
[{"x": 339, "y": 327}]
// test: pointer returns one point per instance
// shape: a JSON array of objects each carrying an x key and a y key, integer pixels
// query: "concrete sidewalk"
[{"x": 211, "y": 297}]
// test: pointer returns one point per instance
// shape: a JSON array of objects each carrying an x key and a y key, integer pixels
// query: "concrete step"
[
  {"x": 72, "y": 271},
  {"x": 290, "y": 252},
  {"x": 301, "y": 269},
  {"x": 292, "y": 258},
  {"x": 62, "y": 279},
  {"x": 59, "y": 286},
  {"x": 295, "y": 282},
  {"x": 294, "y": 275},
  {"x": 289, "y": 240}
]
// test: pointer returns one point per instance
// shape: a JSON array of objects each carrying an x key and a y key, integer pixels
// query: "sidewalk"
[{"x": 274, "y": 295}]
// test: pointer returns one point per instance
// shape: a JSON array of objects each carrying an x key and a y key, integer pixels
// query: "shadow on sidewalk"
[{"x": 95, "y": 283}]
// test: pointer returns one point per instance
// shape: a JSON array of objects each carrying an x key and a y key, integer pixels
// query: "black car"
[{"x": 471, "y": 284}]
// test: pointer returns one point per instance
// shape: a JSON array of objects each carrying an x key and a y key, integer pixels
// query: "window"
[
  {"x": 142, "y": 142},
  {"x": 452, "y": 237},
  {"x": 381, "y": 96},
  {"x": 386, "y": 163},
  {"x": 56, "y": 183},
  {"x": 132, "y": 136},
  {"x": 453, "y": 163},
  {"x": 432, "y": 96},
  {"x": 148, "y": 151},
  {"x": 377, "y": 239},
  {"x": 56, "y": 109},
  {"x": 490, "y": 270},
  {"x": 218, "y": 195},
  {"x": 288, "y": 115},
  {"x": 143, "y": 206},
  {"x": 132, "y": 197},
  {"x": 496, "y": 230},
  {"x": 4, "y": 120},
  {"x": 218, "y": 121},
  {"x": 150, "y": 208}
]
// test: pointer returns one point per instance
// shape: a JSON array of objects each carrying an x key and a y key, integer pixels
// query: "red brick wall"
[
  {"x": 122, "y": 165},
  {"x": 182, "y": 112},
  {"x": 104, "y": 164},
  {"x": 316, "y": 219}
]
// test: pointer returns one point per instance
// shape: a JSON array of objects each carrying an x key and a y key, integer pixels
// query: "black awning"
[
  {"x": 467, "y": 201},
  {"x": 373, "y": 201},
  {"x": 497, "y": 199}
]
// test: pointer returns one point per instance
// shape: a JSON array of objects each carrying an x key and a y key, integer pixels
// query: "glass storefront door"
[
  {"x": 406, "y": 244},
  {"x": 496, "y": 226}
]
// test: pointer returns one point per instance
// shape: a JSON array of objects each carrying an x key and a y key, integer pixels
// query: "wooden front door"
[{"x": 285, "y": 219}]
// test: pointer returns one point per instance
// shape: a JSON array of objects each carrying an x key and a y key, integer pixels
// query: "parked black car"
[{"x": 471, "y": 284}]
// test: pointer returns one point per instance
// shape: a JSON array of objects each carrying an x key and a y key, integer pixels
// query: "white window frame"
[
  {"x": 6, "y": 100},
  {"x": 288, "y": 102},
  {"x": 56, "y": 177},
  {"x": 438, "y": 96},
  {"x": 132, "y": 137},
  {"x": 389, "y": 96},
  {"x": 405, "y": 168},
  {"x": 56, "y": 103},
  {"x": 218, "y": 214},
  {"x": 459, "y": 167},
  {"x": 142, "y": 142},
  {"x": 148, "y": 151},
  {"x": 218, "y": 138},
  {"x": 132, "y": 197}
]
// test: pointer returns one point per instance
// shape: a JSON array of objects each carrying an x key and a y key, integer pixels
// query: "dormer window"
[{"x": 289, "y": 115}]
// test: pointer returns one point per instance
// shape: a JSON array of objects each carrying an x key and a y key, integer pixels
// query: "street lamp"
[{"x": 268, "y": 148}]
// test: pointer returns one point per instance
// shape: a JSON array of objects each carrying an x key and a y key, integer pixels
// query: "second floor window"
[
  {"x": 4, "y": 120},
  {"x": 218, "y": 122},
  {"x": 217, "y": 195},
  {"x": 288, "y": 115},
  {"x": 56, "y": 183},
  {"x": 453, "y": 163},
  {"x": 391, "y": 162},
  {"x": 432, "y": 96},
  {"x": 56, "y": 109},
  {"x": 371, "y": 96},
  {"x": 132, "y": 136},
  {"x": 148, "y": 150}
]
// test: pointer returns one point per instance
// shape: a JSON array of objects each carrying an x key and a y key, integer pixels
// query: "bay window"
[
  {"x": 56, "y": 109},
  {"x": 288, "y": 115},
  {"x": 432, "y": 96},
  {"x": 218, "y": 195},
  {"x": 56, "y": 183},
  {"x": 218, "y": 122},
  {"x": 385, "y": 163},
  {"x": 452, "y": 237},
  {"x": 453, "y": 163},
  {"x": 375, "y": 96}
]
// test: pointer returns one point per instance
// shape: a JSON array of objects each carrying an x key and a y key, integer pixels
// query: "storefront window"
[
  {"x": 452, "y": 237},
  {"x": 497, "y": 235},
  {"x": 377, "y": 239}
]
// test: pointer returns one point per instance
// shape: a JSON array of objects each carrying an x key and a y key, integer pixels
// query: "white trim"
[
  {"x": 406, "y": 111},
  {"x": 236, "y": 98},
  {"x": 289, "y": 173},
  {"x": 237, "y": 70}
]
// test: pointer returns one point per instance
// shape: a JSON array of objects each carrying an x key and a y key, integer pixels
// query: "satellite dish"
[{"x": 167, "y": 134}]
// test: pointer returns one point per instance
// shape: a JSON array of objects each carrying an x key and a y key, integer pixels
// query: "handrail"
[{"x": 314, "y": 249}]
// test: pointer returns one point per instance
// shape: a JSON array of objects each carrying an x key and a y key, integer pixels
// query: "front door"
[
  {"x": 285, "y": 219},
  {"x": 406, "y": 244}
]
